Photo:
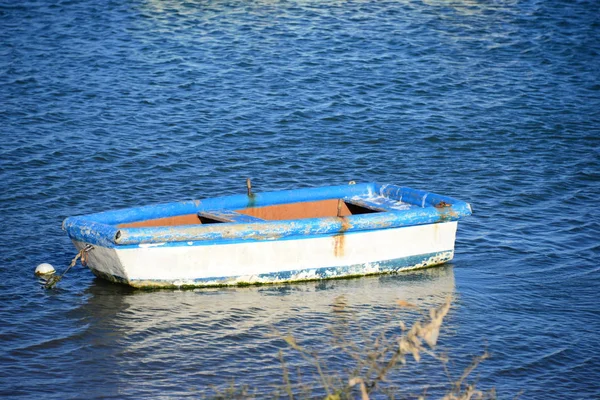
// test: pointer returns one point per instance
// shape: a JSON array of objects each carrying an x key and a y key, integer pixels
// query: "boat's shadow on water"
[{"x": 206, "y": 337}]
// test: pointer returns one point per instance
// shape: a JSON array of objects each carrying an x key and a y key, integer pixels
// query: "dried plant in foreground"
[{"x": 377, "y": 356}]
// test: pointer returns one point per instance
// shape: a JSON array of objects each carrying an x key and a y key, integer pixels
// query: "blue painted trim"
[
  {"x": 234, "y": 202},
  {"x": 101, "y": 228},
  {"x": 89, "y": 231},
  {"x": 220, "y": 242}
]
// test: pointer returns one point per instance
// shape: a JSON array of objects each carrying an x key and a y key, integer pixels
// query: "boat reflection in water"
[{"x": 181, "y": 341}]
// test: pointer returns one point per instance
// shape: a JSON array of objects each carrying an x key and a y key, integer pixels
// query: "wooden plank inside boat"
[{"x": 307, "y": 209}]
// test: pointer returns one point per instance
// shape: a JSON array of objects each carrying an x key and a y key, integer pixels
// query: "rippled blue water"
[{"x": 105, "y": 104}]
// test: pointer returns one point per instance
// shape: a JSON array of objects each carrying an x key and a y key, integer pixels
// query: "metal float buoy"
[{"x": 44, "y": 269}]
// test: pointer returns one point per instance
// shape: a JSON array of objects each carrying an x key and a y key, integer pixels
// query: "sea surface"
[{"x": 107, "y": 104}]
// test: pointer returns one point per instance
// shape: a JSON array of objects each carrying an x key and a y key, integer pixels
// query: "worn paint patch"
[{"x": 447, "y": 213}]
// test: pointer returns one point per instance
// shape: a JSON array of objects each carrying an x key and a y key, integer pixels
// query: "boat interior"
[{"x": 280, "y": 212}]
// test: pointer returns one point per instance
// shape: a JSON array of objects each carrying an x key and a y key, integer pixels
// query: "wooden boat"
[{"x": 285, "y": 236}]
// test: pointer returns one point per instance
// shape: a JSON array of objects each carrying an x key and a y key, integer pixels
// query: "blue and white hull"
[{"x": 380, "y": 229}]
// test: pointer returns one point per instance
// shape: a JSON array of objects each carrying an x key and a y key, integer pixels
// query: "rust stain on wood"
[{"x": 339, "y": 240}]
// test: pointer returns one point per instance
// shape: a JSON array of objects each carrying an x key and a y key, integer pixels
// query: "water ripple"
[{"x": 107, "y": 105}]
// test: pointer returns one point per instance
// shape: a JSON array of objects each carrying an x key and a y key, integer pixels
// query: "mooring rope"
[{"x": 81, "y": 255}]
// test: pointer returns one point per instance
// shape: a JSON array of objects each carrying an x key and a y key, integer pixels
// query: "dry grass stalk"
[
  {"x": 375, "y": 358},
  {"x": 380, "y": 356}
]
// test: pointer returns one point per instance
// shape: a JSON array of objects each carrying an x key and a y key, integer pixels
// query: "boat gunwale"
[{"x": 101, "y": 228}]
